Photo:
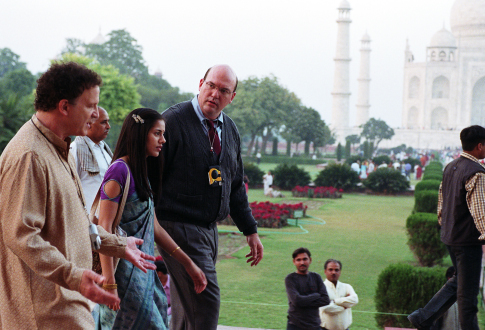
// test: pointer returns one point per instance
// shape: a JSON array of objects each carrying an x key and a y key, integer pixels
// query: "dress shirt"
[
  {"x": 338, "y": 314},
  {"x": 89, "y": 182},
  {"x": 217, "y": 122},
  {"x": 475, "y": 188}
]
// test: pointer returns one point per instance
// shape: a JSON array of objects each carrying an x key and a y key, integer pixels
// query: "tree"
[
  {"x": 339, "y": 152},
  {"x": 376, "y": 130},
  {"x": 118, "y": 93},
  {"x": 121, "y": 51},
  {"x": 347, "y": 149},
  {"x": 9, "y": 61},
  {"x": 74, "y": 46},
  {"x": 261, "y": 108},
  {"x": 14, "y": 112},
  {"x": 19, "y": 81},
  {"x": 352, "y": 139},
  {"x": 309, "y": 127}
]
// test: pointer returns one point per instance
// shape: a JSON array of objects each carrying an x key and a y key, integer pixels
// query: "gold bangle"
[
  {"x": 178, "y": 247},
  {"x": 110, "y": 286}
]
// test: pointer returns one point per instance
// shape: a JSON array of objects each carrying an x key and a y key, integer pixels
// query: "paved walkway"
[{"x": 225, "y": 327}]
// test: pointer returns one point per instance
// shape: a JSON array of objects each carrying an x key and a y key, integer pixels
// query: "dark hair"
[
  {"x": 147, "y": 171},
  {"x": 301, "y": 250},
  {"x": 471, "y": 136},
  {"x": 161, "y": 267},
  {"x": 63, "y": 81},
  {"x": 450, "y": 272},
  {"x": 332, "y": 260},
  {"x": 207, "y": 72}
]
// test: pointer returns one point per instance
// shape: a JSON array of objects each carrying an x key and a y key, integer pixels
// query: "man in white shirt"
[
  {"x": 92, "y": 156},
  {"x": 338, "y": 314}
]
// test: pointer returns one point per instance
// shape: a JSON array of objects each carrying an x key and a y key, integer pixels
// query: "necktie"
[{"x": 214, "y": 138}]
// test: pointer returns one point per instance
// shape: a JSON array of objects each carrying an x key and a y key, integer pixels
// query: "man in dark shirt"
[{"x": 306, "y": 293}]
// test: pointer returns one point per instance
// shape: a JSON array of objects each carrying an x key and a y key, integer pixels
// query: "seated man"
[
  {"x": 338, "y": 314},
  {"x": 306, "y": 293}
]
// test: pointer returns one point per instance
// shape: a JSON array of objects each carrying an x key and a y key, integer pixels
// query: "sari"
[{"x": 143, "y": 301}]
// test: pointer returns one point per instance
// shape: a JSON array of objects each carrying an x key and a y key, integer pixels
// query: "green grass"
[{"x": 366, "y": 233}]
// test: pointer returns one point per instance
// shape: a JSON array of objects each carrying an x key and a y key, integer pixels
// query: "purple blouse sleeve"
[{"x": 117, "y": 172}]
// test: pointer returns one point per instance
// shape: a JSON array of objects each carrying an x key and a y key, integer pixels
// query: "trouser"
[
  {"x": 463, "y": 287},
  {"x": 191, "y": 311}
]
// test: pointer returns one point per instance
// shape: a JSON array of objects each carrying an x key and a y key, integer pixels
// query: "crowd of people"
[{"x": 171, "y": 177}]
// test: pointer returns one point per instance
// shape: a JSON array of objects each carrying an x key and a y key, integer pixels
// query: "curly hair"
[{"x": 63, "y": 81}]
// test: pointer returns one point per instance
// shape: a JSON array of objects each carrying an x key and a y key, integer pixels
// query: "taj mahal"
[{"x": 441, "y": 96}]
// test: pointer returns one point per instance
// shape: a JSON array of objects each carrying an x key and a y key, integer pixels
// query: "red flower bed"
[
  {"x": 271, "y": 215},
  {"x": 317, "y": 192}
]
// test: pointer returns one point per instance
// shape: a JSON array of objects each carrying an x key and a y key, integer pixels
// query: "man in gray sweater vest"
[{"x": 202, "y": 183}]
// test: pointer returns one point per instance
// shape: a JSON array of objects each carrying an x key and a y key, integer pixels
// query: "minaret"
[
  {"x": 362, "y": 106},
  {"x": 341, "y": 86}
]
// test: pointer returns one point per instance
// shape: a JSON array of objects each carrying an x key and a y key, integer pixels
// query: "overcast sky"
[{"x": 293, "y": 40}]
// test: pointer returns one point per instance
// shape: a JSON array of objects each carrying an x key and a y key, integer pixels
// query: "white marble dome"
[
  {"x": 468, "y": 18},
  {"x": 443, "y": 39},
  {"x": 344, "y": 4}
]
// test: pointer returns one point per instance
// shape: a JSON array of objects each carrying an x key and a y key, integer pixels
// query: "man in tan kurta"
[{"x": 45, "y": 248}]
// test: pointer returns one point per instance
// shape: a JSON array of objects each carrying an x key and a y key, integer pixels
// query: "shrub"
[
  {"x": 353, "y": 159},
  {"x": 435, "y": 165},
  {"x": 338, "y": 176},
  {"x": 426, "y": 201},
  {"x": 280, "y": 159},
  {"x": 424, "y": 239},
  {"x": 386, "y": 180},
  {"x": 339, "y": 152},
  {"x": 432, "y": 176},
  {"x": 428, "y": 185},
  {"x": 402, "y": 289},
  {"x": 382, "y": 158},
  {"x": 286, "y": 177},
  {"x": 254, "y": 173}
]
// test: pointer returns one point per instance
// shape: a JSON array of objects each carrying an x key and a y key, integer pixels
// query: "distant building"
[{"x": 447, "y": 92}]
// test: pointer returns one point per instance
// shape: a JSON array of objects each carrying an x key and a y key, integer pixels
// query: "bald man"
[
  {"x": 203, "y": 183},
  {"x": 92, "y": 156}
]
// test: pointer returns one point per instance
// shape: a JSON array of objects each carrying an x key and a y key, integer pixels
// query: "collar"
[
  {"x": 327, "y": 282},
  {"x": 470, "y": 157},
  {"x": 62, "y": 146},
  {"x": 92, "y": 144},
  {"x": 200, "y": 115}
]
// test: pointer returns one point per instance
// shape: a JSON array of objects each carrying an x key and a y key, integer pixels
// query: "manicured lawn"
[
  {"x": 311, "y": 169},
  {"x": 366, "y": 233}
]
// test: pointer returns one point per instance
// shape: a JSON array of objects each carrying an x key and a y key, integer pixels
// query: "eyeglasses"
[{"x": 223, "y": 91}]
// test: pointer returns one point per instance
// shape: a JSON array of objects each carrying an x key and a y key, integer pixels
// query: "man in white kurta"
[{"x": 338, "y": 314}]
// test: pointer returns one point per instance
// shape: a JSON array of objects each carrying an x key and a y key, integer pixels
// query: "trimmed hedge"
[
  {"x": 435, "y": 165},
  {"x": 353, "y": 159},
  {"x": 288, "y": 176},
  {"x": 402, "y": 289},
  {"x": 428, "y": 185},
  {"x": 426, "y": 201},
  {"x": 338, "y": 176},
  {"x": 382, "y": 158},
  {"x": 254, "y": 173},
  {"x": 386, "y": 180},
  {"x": 424, "y": 239},
  {"x": 432, "y": 176}
]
